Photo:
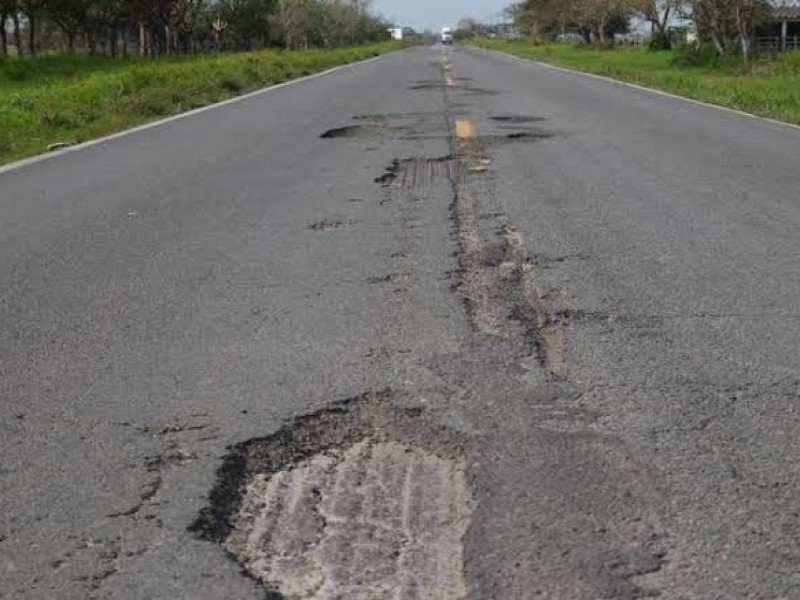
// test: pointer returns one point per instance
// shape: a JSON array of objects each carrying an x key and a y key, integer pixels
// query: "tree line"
[
  {"x": 726, "y": 24},
  {"x": 163, "y": 27}
]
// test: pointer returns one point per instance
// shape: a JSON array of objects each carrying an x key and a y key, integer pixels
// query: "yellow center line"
[{"x": 464, "y": 129}]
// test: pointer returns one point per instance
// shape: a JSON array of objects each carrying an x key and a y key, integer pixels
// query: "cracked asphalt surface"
[{"x": 596, "y": 285}]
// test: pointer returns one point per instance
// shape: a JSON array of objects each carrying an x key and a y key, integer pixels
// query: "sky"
[{"x": 435, "y": 14}]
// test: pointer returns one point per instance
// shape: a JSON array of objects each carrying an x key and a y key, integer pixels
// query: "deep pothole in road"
[
  {"x": 363, "y": 130},
  {"x": 387, "y": 126},
  {"x": 361, "y": 500}
]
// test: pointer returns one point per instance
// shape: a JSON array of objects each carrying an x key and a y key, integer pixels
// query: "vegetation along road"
[
  {"x": 769, "y": 88},
  {"x": 446, "y": 324}
]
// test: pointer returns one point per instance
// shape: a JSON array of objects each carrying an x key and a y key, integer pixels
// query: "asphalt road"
[{"x": 566, "y": 311}]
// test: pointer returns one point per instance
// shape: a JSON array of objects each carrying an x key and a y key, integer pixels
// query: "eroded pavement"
[{"x": 443, "y": 325}]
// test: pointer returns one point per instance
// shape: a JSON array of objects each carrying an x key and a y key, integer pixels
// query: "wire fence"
[{"x": 776, "y": 44}]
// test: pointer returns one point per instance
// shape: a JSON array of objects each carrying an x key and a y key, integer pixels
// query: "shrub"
[
  {"x": 696, "y": 55},
  {"x": 789, "y": 64},
  {"x": 232, "y": 85},
  {"x": 659, "y": 42}
]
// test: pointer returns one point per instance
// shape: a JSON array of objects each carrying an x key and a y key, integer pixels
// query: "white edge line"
[
  {"x": 196, "y": 111},
  {"x": 643, "y": 88}
]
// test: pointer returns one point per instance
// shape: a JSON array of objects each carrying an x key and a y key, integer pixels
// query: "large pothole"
[{"x": 359, "y": 501}]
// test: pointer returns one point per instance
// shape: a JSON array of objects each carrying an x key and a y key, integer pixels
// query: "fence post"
[{"x": 784, "y": 34}]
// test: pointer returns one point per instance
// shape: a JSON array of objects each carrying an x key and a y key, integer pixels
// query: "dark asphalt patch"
[
  {"x": 390, "y": 175},
  {"x": 351, "y": 131},
  {"x": 326, "y": 225},
  {"x": 170, "y": 459},
  {"x": 517, "y": 119},
  {"x": 149, "y": 492},
  {"x": 365, "y": 130},
  {"x": 528, "y": 135},
  {"x": 440, "y": 85},
  {"x": 390, "y": 116},
  {"x": 383, "y": 278},
  {"x": 352, "y": 501}
]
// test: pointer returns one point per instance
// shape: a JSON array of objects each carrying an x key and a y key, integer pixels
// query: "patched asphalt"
[{"x": 441, "y": 325}]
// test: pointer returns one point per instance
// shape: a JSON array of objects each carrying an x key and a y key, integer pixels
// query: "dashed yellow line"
[{"x": 464, "y": 129}]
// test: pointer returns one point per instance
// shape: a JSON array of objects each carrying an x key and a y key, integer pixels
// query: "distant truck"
[
  {"x": 402, "y": 33},
  {"x": 447, "y": 35}
]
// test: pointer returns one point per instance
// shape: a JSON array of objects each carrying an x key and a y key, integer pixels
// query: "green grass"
[
  {"x": 68, "y": 99},
  {"x": 766, "y": 88}
]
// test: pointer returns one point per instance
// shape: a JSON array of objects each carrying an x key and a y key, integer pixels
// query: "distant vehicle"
[
  {"x": 447, "y": 35},
  {"x": 402, "y": 33}
]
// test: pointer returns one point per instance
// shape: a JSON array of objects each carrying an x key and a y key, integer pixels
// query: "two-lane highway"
[{"x": 442, "y": 325}]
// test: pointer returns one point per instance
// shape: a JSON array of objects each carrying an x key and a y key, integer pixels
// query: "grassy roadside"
[
  {"x": 770, "y": 89},
  {"x": 63, "y": 99}
]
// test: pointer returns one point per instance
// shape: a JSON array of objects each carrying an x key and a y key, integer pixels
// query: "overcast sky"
[{"x": 434, "y": 14}]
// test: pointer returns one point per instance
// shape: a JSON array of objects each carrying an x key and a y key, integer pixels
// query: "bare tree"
[
  {"x": 747, "y": 13},
  {"x": 729, "y": 23},
  {"x": 591, "y": 18},
  {"x": 290, "y": 21},
  {"x": 659, "y": 14}
]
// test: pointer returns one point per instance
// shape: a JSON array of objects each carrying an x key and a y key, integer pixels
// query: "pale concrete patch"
[
  {"x": 360, "y": 501},
  {"x": 378, "y": 520}
]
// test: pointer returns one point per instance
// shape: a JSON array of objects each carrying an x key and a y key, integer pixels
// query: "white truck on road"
[{"x": 447, "y": 35}]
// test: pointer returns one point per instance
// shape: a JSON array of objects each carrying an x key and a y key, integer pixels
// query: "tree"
[
  {"x": 659, "y": 14},
  {"x": 602, "y": 17},
  {"x": 71, "y": 16},
  {"x": 186, "y": 16},
  {"x": 729, "y": 23},
  {"x": 593, "y": 19},
  {"x": 3, "y": 34},
  {"x": 169, "y": 26},
  {"x": 32, "y": 9},
  {"x": 747, "y": 13},
  {"x": 10, "y": 9},
  {"x": 247, "y": 21}
]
